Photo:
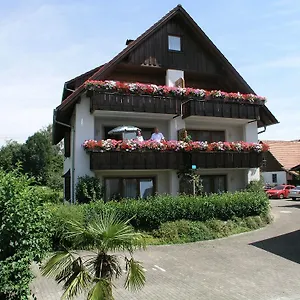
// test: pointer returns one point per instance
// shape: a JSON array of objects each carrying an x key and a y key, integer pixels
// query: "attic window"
[{"x": 174, "y": 43}]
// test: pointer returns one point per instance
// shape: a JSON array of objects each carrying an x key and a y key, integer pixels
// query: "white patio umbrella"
[
  {"x": 128, "y": 132},
  {"x": 123, "y": 129}
]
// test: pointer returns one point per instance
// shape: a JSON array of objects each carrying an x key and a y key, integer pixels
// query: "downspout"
[
  {"x": 72, "y": 152},
  {"x": 181, "y": 106},
  {"x": 264, "y": 130}
]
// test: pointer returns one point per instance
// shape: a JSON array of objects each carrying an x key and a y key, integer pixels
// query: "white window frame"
[{"x": 173, "y": 43}]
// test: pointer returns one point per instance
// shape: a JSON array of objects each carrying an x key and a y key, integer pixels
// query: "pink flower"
[{"x": 162, "y": 90}]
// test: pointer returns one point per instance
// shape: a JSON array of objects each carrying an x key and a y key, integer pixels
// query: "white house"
[{"x": 209, "y": 99}]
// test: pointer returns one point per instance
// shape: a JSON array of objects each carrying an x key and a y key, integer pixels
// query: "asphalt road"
[{"x": 260, "y": 265}]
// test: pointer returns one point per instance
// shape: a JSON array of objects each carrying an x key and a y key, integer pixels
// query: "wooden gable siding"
[
  {"x": 154, "y": 51},
  {"x": 271, "y": 164}
]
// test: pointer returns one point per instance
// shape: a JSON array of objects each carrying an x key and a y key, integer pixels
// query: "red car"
[{"x": 280, "y": 191}]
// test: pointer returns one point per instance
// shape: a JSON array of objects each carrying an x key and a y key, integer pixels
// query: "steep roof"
[
  {"x": 287, "y": 153},
  {"x": 64, "y": 110}
]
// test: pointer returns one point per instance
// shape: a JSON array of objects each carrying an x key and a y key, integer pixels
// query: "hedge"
[
  {"x": 25, "y": 233},
  {"x": 149, "y": 214}
]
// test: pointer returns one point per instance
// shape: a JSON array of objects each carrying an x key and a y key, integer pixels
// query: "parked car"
[
  {"x": 280, "y": 191},
  {"x": 295, "y": 193}
]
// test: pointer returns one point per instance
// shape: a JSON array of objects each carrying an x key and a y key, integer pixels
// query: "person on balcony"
[
  {"x": 157, "y": 136},
  {"x": 185, "y": 137},
  {"x": 139, "y": 136}
]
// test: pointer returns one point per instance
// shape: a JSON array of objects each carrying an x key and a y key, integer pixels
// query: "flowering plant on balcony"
[
  {"x": 161, "y": 90},
  {"x": 193, "y": 146}
]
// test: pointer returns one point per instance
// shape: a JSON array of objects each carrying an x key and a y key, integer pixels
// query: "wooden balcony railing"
[
  {"x": 172, "y": 105},
  {"x": 173, "y": 160},
  {"x": 135, "y": 103},
  {"x": 223, "y": 109}
]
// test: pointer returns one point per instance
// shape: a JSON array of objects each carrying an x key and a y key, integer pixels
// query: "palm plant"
[{"x": 93, "y": 271}]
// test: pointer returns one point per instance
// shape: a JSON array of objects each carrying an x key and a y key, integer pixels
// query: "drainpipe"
[
  {"x": 182, "y": 103},
  {"x": 264, "y": 130}
]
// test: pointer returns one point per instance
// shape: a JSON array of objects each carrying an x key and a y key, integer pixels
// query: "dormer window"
[{"x": 174, "y": 43}]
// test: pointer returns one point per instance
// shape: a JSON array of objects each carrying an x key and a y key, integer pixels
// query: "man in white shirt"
[{"x": 157, "y": 136}]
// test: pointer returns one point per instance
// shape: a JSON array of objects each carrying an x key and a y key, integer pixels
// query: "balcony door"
[
  {"x": 131, "y": 188},
  {"x": 207, "y": 135}
]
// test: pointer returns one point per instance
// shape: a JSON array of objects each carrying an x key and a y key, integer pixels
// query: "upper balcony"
[{"x": 144, "y": 98}]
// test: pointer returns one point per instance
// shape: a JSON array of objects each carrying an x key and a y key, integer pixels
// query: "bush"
[
  {"x": 60, "y": 215},
  {"x": 24, "y": 234},
  {"x": 151, "y": 213},
  {"x": 88, "y": 189},
  {"x": 48, "y": 195},
  {"x": 191, "y": 231},
  {"x": 183, "y": 231},
  {"x": 256, "y": 186}
]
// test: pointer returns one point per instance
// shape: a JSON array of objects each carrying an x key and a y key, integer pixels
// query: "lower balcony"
[{"x": 118, "y": 160}]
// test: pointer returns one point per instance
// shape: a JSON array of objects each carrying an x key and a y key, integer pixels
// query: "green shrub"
[
  {"x": 191, "y": 231},
  {"x": 152, "y": 212},
  {"x": 255, "y": 186},
  {"x": 88, "y": 189},
  {"x": 60, "y": 216},
  {"x": 24, "y": 234},
  {"x": 48, "y": 195}
]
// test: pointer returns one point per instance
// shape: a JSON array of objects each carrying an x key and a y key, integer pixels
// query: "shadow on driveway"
[{"x": 286, "y": 245}]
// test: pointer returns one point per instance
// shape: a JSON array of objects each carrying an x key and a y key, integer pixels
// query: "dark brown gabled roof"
[
  {"x": 64, "y": 110},
  {"x": 178, "y": 10}
]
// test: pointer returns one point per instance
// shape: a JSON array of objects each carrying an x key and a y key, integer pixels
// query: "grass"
[{"x": 184, "y": 231}]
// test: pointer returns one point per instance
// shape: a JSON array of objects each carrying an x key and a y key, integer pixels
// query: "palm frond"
[
  {"x": 114, "y": 234},
  {"x": 68, "y": 267},
  {"x": 59, "y": 263},
  {"x": 102, "y": 290},
  {"x": 80, "y": 235},
  {"x": 79, "y": 281},
  {"x": 104, "y": 266},
  {"x": 135, "y": 278}
]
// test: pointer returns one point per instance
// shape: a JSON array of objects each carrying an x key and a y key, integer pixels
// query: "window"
[
  {"x": 119, "y": 188},
  {"x": 207, "y": 135},
  {"x": 174, "y": 43},
  {"x": 213, "y": 183},
  {"x": 274, "y": 178},
  {"x": 67, "y": 185}
]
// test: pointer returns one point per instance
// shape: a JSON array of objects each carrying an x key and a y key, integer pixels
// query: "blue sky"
[{"x": 45, "y": 43}]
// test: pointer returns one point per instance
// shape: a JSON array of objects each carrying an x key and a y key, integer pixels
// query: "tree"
[
  {"x": 95, "y": 271},
  {"x": 10, "y": 155},
  {"x": 43, "y": 160}
]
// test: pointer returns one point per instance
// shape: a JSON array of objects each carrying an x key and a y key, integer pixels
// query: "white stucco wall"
[
  {"x": 250, "y": 132},
  {"x": 172, "y": 76},
  {"x": 281, "y": 177},
  {"x": 174, "y": 125},
  {"x": 84, "y": 130},
  {"x": 251, "y": 136},
  {"x": 235, "y": 177}
]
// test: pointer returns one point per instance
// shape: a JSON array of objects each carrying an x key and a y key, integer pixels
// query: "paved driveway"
[{"x": 261, "y": 265}]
